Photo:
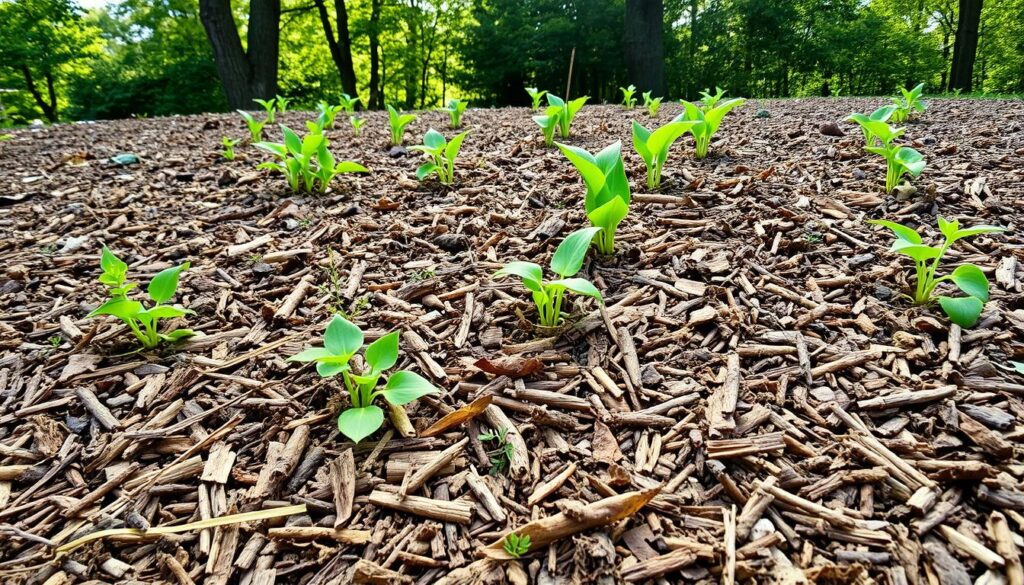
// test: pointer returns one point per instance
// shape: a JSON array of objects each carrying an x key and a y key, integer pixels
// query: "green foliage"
[
  {"x": 229, "y": 147},
  {"x": 535, "y": 97},
  {"x": 707, "y": 119},
  {"x": 306, "y": 162},
  {"x": 900, "y": 160},
  {"x": 281, "y": 103},
  {"x": 627, "y": 96},
  {"x": 357, "y": 124},
  {"x": 442, "y": 153},
  {"x": 144, "y": 322},
  {"x": 342, "y": 340},
  {"x": 964, "y": 311},
  {"x": 607, "y": 200},
  {"x": 909, "y": 104},
  {"x": 327, "y": 114},
  {"x": 270, "y": 107},
  {"x": 565, "y": 111},
  {"x": 255, "y": 126},
  {"x": 653, "y": 147},
  {"x": 549, "y": 123},
  {"x": 455, "y": 109},
  {"x": 398, "y": 123},
  {"x": 652, "y": 104},
  {"x": 709, "y": 101},
  {"x": 515, "y": 545},
  {"x": 882, "y": 114},
  {"x": 500, "y": 457},
  {"x": 348, "y": 103},
  {"x": 566, "y": 262}
]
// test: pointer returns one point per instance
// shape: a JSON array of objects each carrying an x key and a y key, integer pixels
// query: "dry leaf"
[
  {"x": 460, "y": 416},
  {"x": 511, "y": 366},
  {"x": 80, "y": 363}
]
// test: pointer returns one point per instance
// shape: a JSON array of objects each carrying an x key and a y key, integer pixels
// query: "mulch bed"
[{"x": 755, "y": 402}]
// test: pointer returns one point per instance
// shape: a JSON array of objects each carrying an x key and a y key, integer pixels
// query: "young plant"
[
  {"x": 327, "y": 114},
  {"x": 515, "y": 545},
  {"x": 282, "y": 103},
  {"x": 653, "y": 147},
  {"x": 535, "y": 97},
  {"x": 443, "y": 154},
  {"x": 342, "y": 340},
  {"x": 964, "y": 311},
  {"x": 900, "y": 160},
  {"x": 455, "y": 109},
  {"x": 567, "y": 111},
  {"x": 909, "y": 104},
  {"x": 229, "y": 147},
  {"x": 607, "y": 200},
  {"x": 398, "y": 123},
  {"x": 357, "y": 124},
  {"x": 270, "y": 108},
  {"x": 255, "y": 126},
  {"x": 652, "y": 104},
  {"x": 709, "y": 101},
  {"x": 348, "y": 103},
  {"x": 306, "y": 162},
  {"x": 548, "y": 123},
  {"x": 882, "y": 114},
  {"x": 566, "y": 262},
  {"x": 707, "y": 120},
  {"x": 627, "y": 96},
  {"x": 500, "y": 457},
  {"x": 144, "y": 322}
]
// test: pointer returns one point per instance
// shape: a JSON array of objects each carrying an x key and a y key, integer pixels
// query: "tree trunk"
[
  {"x": 49, "y": 109},
  {"x": 376, "y": 95},
  {"x": 251, "y": 74},
  {"x": 643, "y": 45},
  {"x": 965, "y": 47},
  {"x": 340, "y": 46}
]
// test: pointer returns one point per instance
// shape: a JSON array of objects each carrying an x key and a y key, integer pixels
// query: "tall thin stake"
[{"x": 568, "y": 82}]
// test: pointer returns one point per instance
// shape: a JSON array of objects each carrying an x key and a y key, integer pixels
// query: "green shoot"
[
  {"x": 398, "y": 123},
  {"x": 327, "y": 114},
  {"x": 882, "y": 114},
  {"x": 548, "y": 123},
  {"x": 500, "y": 457},
  {"x": 653, "y": 147},
  {"x": 607, "y": 200},
  {"x": 652, "y": 104},
  {"x": 909, "y": 104},
  {"x": 900, "y": 160},
  {"x": 627, "y": 96},
  {"x": 567, "y": 261},
  {"x": 515, "y": 545},
  {"x": 455, "y": 109},
  {"x": 282, "y": 103},
  {"x": 270, "y": 108},
  {"x": 567, "y": 111},
  {"x": 535, "y": 97},
  {"x": 229, "y": 147},
  {"x": 348, "y": 103},
  {"x": 964, "y": 311},
  {"x": 708, "y": 120},
  {"x": 306, "y": 162},
  {"x": 143, "y": 322},
  {"x": 357, "y": 124},
  {"x": 709, "y": 101},
  {"x": 255, "y": 126},
  {"x": 443, "y": 154},
  {"x": 342, "y": 340}
]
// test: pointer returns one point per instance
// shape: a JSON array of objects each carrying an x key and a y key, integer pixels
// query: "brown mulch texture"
[{"x": 755, "y": 402}]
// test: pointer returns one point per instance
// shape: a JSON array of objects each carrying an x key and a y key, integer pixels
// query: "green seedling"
[
  {"x": 327, "y": 114},
  {"x": 652, "y": 104},
  {"x": 455, "y": 109},
  {"x": 144, "y": 322},
  {"x": 269, "y": 106},
  {"x": 442, "y": 153},
  {"x": 348, "y": 103},
  {"x": 627, "y": 96},
  {"x": 607, "y": 200},
  {"x": 398, "y": 123},
  {"x": 709, "y": 101},
  {"x": 282, "y": 103},
  {"x": 515, "y": 545},
  {"x": 501, "y": 457},
  {"x": 566, "y": 262},
  {"x": 229, "y": 147},
  {"x": 342, "y": 340},
  {"x": 708, "y": 120},
  {"x": 964, "y": 311},
  {"x": 549, "y": 123},
  {"x": 255, "y": 126},
  {"x": 910, "y": 104},
  {"x": 306, "y": 162},
  {"x": 882, "y": 114},
  {"x": 535, "y": 97},
  {"x": 567, "y": 111},
  {"x": 900, "y": 160},
  {"x": 653, "y": 147},
  {"x": 357, "y": 124}
]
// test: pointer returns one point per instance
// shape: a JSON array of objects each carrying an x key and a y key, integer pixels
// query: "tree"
[
  {"x": 643, "y": 44},
  {"x": 245, "y": 73},
  {"x": 340, "y": 46},
  {"x": 965, "y": 48}
]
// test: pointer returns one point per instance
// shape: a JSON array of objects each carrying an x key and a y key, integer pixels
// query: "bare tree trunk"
[
  {"x": 250, "y": 74},
  {"x": 376, "y": 95},
  {"x": 966, "y": 46},
  {"x": 49, "y": 109},
  {"x": 643, "y": 45},
  {"x": 340, "y": 46}
]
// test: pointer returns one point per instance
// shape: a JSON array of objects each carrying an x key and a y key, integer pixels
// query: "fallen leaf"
[
  {"x": 605, "y": 447},
  {"x": 511, "y": 366},
  {"x": 460, "y": 416},
  {"x": 78, "y": 364}
]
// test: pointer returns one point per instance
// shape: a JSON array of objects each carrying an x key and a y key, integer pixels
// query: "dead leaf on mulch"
[
  {"x": 460, "y": 416},
  {"x": 511, "y": 366}
]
